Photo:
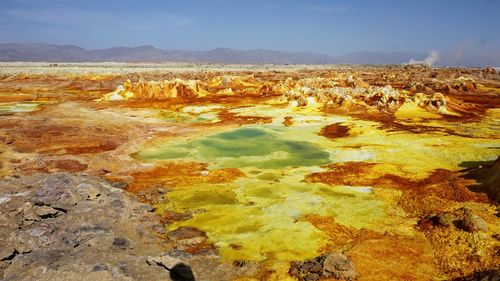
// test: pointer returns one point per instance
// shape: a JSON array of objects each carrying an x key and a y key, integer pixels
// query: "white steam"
[{"x": 429, "y": 60}]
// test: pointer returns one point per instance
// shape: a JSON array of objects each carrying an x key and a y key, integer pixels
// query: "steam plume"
[{"x": 429, "y": 60}]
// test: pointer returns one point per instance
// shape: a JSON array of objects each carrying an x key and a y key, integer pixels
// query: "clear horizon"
[{"x": 326, "y": 27}]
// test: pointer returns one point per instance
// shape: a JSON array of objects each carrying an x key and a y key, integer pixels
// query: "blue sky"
[{"x": 329, "y": 27}]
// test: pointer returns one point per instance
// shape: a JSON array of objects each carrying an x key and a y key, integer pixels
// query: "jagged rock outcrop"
[
  {"x": 489, "y": 70},
  {"x": 157, "y": 90},
  {"x": 179, "y": 88}
]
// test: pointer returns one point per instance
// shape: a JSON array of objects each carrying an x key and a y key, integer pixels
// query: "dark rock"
[
  {"x": 121, "y": 243},
  {"x": 100, "y": 267},
  {"x": 488, "y": 275},
  {"x": 117, "y": 203},
  {"x": 472, "y": 223},
  {"x": 181, "y": 272},
  {"x": 444, "y": 219},
  {"x": 239, "y": 263},
  {"x": 311, "y": 276},
  {"x": 489, "y": 70},
  {"x": 491, "y": 180},
  {"x": 334, "y": 265},
  {"x": 462, "y": 218},
  {"x": 119, "y": 185}
]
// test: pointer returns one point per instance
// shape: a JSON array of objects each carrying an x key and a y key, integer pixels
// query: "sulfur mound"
[
  {"x": 146, "y": 90},
  {"x": 179, "y": 88}
]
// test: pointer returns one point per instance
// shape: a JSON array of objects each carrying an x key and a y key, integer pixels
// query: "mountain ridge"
[{"x": 36, "y": 52}]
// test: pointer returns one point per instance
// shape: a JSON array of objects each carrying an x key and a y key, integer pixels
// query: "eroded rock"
[
  {"x": 66, "y": 226},
  {"x": 489, "y": 70},
  {"x": 165, "y": 261},
  {"x": 445, "y": 219},
  {"x": 471, "y": 222},
  {"x": 462, "y": 218},
  {"x": 46, "y": 211},
  {"x": 333, "y": 265}
]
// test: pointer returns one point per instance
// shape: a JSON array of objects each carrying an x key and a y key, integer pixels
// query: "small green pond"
[{"x": 262, "y": 147}]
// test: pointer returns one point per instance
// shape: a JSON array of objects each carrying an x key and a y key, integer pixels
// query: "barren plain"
[{"x": 241, "y": 172}]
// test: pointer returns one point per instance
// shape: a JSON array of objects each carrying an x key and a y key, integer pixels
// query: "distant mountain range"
[{"x": 10, "y": 52}]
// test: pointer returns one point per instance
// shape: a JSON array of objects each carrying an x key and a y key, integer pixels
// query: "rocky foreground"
[
  {"x": 66, "y": 227},
  {"x": 76, "y": 227}
]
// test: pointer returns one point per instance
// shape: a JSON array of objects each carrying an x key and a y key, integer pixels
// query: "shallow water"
[{"x": 245, "y": 147}]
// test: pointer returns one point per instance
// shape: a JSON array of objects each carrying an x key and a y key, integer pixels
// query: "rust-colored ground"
[{"x": 78, "y": 129}]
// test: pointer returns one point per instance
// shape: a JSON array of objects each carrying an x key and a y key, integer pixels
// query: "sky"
[{"x": 332, "y": 27}]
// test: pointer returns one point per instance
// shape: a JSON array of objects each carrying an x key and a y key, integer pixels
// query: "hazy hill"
[{"x": 71, "y": 53}]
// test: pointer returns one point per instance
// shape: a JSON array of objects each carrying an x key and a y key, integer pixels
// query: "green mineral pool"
[{"x": 244, "y": 147}]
